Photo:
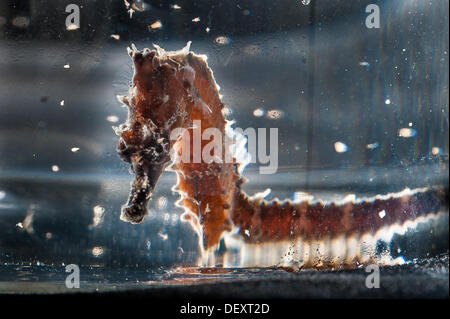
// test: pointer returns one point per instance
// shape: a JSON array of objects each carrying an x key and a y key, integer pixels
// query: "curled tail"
[{"x": 260, "y": 221}]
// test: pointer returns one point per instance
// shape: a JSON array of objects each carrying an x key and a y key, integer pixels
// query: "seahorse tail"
[{"x": 262, "y": 221}]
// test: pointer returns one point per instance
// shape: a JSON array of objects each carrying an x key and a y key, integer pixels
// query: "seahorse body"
[{"x": 176, "y": 89}]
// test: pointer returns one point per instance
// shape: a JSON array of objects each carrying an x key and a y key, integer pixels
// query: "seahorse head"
[
  {"x": 157, "y": 102},
  {"x": 159, "y": 92}
]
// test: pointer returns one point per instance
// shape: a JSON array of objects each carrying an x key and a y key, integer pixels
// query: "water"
[
  {"x": 76, "y": 220},
  {"x": 430, "y": 274}
]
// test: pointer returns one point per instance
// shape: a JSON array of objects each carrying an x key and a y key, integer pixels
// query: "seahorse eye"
[
  {"x": 186, "y": 84},
  {"x": 159, "y": 148}
]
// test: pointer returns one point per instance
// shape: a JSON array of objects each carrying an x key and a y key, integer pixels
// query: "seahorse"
[{"x": 176, "y": 89}]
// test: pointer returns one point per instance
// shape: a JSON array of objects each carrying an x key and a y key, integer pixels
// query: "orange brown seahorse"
[{"x": 173, "y": 89}]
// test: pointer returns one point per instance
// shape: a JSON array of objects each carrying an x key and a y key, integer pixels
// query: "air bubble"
[{"x": 340, "y": 147}]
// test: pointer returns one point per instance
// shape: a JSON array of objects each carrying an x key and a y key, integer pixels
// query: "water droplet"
[
  {"x": 435, "y": 151},
  {"x": 112, "y": 118},
  {"x": 340, "y": 147},
  {"x": 97, "y": 251},
  {"x": 222, "y": 40},
  {"x": 161, "y": 202},
  {"x": 372, "y": 146},
  {"x": 21, "y": 22},
  {"x": 72, "y": 27},
  {"x": 156, "y": 25},
  {"x": 407, "y": 132},
  {"x": 259, "y": 112},
  {"x": 163, "y": 236},
  {"x": 98, "y": 215},
  {"x": 226, "y": 111},
  {"x": 274, "y": 114}
]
